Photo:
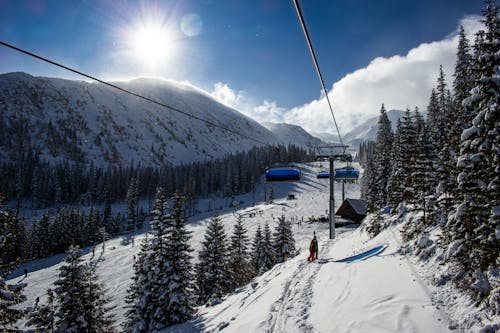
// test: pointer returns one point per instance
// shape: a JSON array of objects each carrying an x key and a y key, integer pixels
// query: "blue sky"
[{"x": 251, "y": 54}]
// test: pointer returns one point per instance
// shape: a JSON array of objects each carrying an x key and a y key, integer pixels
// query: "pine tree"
[
  {"x": 265, "y": 256},
  {"x": 178, "y": 283},
  {"x": 474, "y": 224},
  {"x": 284, "y": 243},
  {"x": 382, "y": 162},
  {"x": 400, "y": 183},
  {"x": 369, "y": 188},
  {"x": 423, "y": 176},
  {"x": 257, "y": 240},
  {"x": 462, "y": 84},
  {"x": 80, "y": 303},
  {"x": 139, "y": 294},
  {"x": 239, "y": 263},
  {"x": 212, "y": 270},
  {"x": 132, "y": 202},
  {"x": 43, "y": 237},
  {"x": 160, "y": 263},
  {"x": 10, "y": 294},
  {"x": 97, "y": 312}
]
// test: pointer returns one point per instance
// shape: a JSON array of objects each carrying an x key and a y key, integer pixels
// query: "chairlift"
[
  {"x": 338, "y": 153},
  {"x": 346, "y": 174},
  {"x": 323, "y": 175},
  {"x": 282, "y": 174}
]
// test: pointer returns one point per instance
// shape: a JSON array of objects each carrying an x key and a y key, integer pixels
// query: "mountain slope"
[
  {"x": 368, "y": 129},
  {"x": 81, "y": 121},
  {"x": 288, "y": 133}
]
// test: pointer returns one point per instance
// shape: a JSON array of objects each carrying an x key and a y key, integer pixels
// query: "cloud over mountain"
[{"x": 400, "y": 81}]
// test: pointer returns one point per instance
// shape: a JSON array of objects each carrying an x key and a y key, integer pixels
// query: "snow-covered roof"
[{"x": 358, "y": 205}]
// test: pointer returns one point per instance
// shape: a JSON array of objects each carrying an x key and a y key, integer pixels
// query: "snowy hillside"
[
  {"x": 326, "y": 137},
  {"x": 292, "y": 133},
  {"x": 368, "y": 129},
  {"x": 387, "y": 292},
  {"x": 81, "y": 121}
]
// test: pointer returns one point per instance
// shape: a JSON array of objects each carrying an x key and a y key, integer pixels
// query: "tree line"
[
  {"x": 166, "y": 287},
  {"x": 40, "y": 184},
  {"x": 447, "y": 165},
  {"x": 55, "y": 232}
]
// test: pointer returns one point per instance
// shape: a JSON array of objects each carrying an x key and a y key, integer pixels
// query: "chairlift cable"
[
  {"x": 315, "y": 60},
  {"x": 134, "y": 94}
]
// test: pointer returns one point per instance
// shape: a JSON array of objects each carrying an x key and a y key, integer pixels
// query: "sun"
[{"x": 153, "y": 44}]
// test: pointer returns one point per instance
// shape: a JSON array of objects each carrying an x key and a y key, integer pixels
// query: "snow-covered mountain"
[
  {"x": 292, "y": 133},
  {"x": 327, "y": 137},
  {"x": 81, "y": 121},
  {"x": 368, "y": 129}
]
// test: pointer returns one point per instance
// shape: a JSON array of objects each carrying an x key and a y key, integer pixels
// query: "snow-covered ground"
[{"x": 383, "y": 293}]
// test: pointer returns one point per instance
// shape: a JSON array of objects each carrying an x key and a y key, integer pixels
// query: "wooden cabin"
[{"x": 353, "y": 209}]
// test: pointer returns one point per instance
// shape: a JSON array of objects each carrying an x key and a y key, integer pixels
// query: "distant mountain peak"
[
  {"x": 288, "y": 133},
  {"x": 368, "y": 129}
]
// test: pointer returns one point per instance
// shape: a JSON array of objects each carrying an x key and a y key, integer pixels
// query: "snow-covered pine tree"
[
  {"x": 132, "y": 201},
  {"x": 270, "y": 196},
  {"x": 212, "y": 270},
  {"x": 283, "y": 241},
  {"x": 139, "y": 294},
  {"x": 375, "y": 225},
  {"x": 178, "y": 283},
  {"x": 10, "y": 294},
  {"x": 42, "y": 237},
  {"x": 266, "y": 257},
  {"x": 160, "y": 264},
  {"x": 433, "y": 119},
  {"x": 395, "y": 185},
  {"x": 462, "y": 84},
  {"x": 473, "y": 228},
  {"x": 98, "y": 311},
  {"x": 257, "y": 239},
  {"x": 442, "y": 119},
  {"x": 368, "y": 185},
  {"x": 407, "y": 140},
  {"x": 423, "y": 177},
  {"x": 400, "y": 183},
  {"x": 239, "y": 258},
  {"x": 382, "y": 158},
  {"x": 80, "y": 302}
]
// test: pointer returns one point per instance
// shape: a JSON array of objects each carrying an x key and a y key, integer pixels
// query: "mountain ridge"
[{"x": 80, "y": 121}]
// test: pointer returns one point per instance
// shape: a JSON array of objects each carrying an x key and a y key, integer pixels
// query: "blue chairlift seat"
[
  {"x": 346, "y": 173},
  {"x": 323, "y": 175},
  {"x": 282, "y": 174}
]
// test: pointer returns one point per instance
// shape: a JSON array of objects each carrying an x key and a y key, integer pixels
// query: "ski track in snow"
[{"x": 292, "y": 309}]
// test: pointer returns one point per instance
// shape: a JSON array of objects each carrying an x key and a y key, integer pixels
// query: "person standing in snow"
[{"x": 313, "y": 249}]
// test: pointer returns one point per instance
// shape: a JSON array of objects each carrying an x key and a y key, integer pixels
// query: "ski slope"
[{"x": 382, "y": 293}]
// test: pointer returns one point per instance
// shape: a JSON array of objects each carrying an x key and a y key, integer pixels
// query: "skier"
[{"x": 313, "y": 249}]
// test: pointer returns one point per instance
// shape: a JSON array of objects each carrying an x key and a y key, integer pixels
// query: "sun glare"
[{"x": 153, "y": 45}]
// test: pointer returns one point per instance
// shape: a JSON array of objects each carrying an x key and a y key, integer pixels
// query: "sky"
[{"x": 251, "y": 55}]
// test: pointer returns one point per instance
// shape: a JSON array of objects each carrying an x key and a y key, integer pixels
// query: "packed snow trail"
[
  {"x": 378, "y": 294},
  {"x": 290, "y": 313}
]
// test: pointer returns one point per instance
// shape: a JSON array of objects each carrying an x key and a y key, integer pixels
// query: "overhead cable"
[{"x": 315, "y": 60}]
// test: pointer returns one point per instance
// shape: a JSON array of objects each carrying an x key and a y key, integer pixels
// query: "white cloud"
[
  {"x": 267, "y": 111},
  {"x": 226, "y": 95},
  {"x": 399, "y": 82}
]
